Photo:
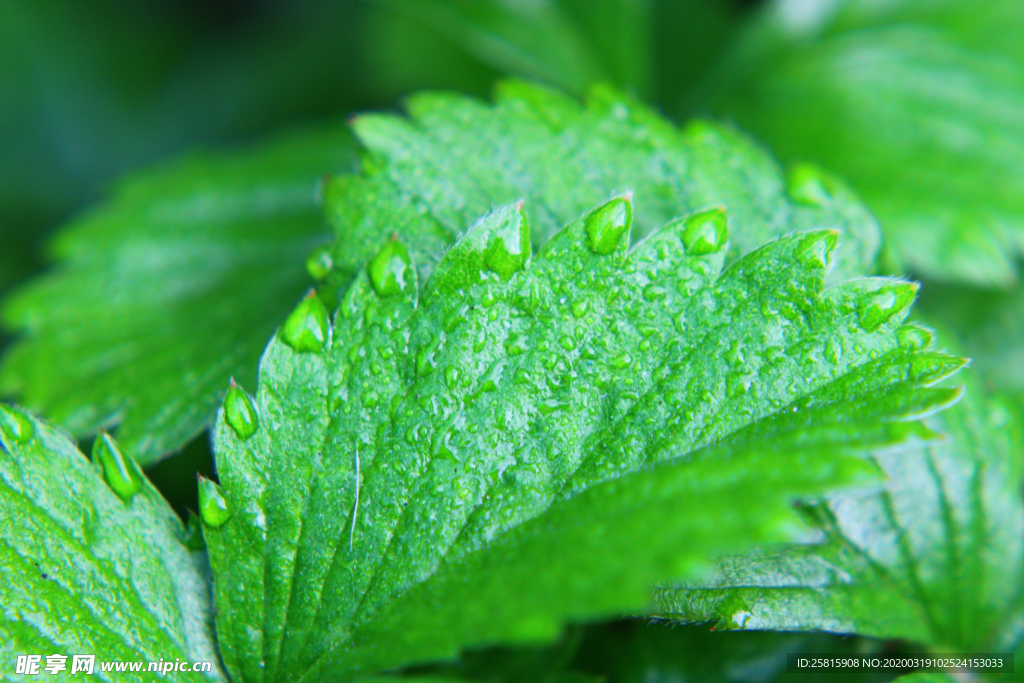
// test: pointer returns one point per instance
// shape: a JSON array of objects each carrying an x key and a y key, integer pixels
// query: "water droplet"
[
  {"x": 735, "y": 354},
  {"x": 608, "y": 224},
  {"x": 655, "y": 293},
  {"x": 807, "y": 184},
  {"x": 913, "y": 337},
  {"x": 119, "y": 470},
  {"x": 391, "y": 269},
  {"x": 815, "y": 251},
  {"x": 879, "y": 306},
  {"x": 833, "y": 351},
  {"x": 240, "y": 412},
  {"x": 622, "y": 360},
  {"x": 567, "y": 343},
  {"x": 451, "y": 376},
  {"x": 516, "y": 345},
  {"x": 214, "y": 507},
  {"x": 305, "y": 330},
  {"x": 705, "y": 232},
  {"x": 580, "y": 307},
  {"x": 15, "y": 425},
  {"x": 550, "y": 406},
  {"x": 647, "y": 330},
  {"x": 509, "y": 246},
  {"x": 320, "y": 263},
  {"x": 424, "y": 366}
]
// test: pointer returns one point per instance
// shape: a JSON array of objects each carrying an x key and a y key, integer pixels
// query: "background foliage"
[{"x": 144, "y": 131}]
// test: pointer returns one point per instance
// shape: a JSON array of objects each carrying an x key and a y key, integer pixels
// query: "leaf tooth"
[
  {"x": 607, "y": 227},
  {"x": 498, "y": 244},
  {"x": 915, "y": 337},
  {"x": 307, "y": 330},
  {"x": 816, "y": 250},
  {"x": 391, "y": 270},
  {"x": 884, "y": 301},
  {"x": 14, "y": 425},
  {"x": 240, "y": 412},
  {"x": 215, "y": 509},
  {"x": 119, "y": 470},
  {"x": 930, "y": 367},
  {"x": 809, "y": 185},
  {"x": 706, "y": 231}
]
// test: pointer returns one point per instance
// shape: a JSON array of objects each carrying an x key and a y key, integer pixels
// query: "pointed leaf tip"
[
  {"x": 305, "y": 330},
  {"x": 240, "y": 412},
  {"x": 914, "y": 337},
  {"x": 808, "y": 185},
  {"x": 509, "y": 247},
  {"x": 705, "y": 232},
  {"x": 817, "y": 249},
  {"x": 390, "y": 269},
  {"x": 881, "y": 305},
  {"x": 214, "y": 507},
  {"x": 15, "y": 425},
  {"x": 608, "y": 224},
  {"x": 119, "y": 470}
]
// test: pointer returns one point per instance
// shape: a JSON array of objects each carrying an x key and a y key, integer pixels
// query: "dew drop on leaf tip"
[
  {"x": 15, "y": 426},
  {"x": 815, "y": 251},
  {"x": 390, "y": 269},
  {"x": 509, "y": 247},
  {"x": 808, "y": 185},
  {"x": 607, "y": 224},
  {"x": 705, "y": 231},
  {"x": 306, "y": 328},
  {"x": 880, "y": 305},
  {"x": 240, "y": 412},
  {"x": 119, "y": 470},
  {"x": 914, "y": 337},
  {"x": 320, "y": 263},
  {"x": 214, "y": 507}
]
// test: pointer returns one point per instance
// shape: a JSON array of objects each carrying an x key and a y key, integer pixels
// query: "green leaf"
[
  {"x": 569, "y": 44},
  {"x": 168, "y": 290},
  {"x": 937, "y": 557},
  {"x": 919, "y": 103},
  {"x": 429, "y": 177},
  {"x": 86, "y": 571},
  {"x": 455, "y": 444}
]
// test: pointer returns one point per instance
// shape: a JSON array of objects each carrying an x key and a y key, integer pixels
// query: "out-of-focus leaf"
[
  {"x": 919, "y": 103},
  {"x": 936, "y": 558},
  {"x": 170, "y": 288}
]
